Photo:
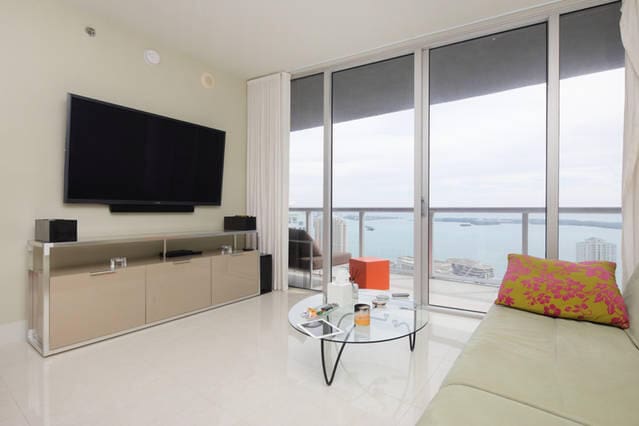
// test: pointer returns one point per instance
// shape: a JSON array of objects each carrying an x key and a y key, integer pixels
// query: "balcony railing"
[
  {"x": 524, "y": 219},
  {"x": 361, "y": 217}
]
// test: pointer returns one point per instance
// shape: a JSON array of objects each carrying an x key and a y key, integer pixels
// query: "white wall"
[{"x": 45, "y": 53}]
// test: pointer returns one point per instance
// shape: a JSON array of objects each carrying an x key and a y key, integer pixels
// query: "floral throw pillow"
[{"x": 581, "y": 291}]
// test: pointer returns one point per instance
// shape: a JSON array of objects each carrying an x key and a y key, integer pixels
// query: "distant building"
[
  {"x": 471, "y": 269},
  {"x": 466, "y": 269},
  {"x": 596, "y": 249},
  {"x": 340, "y": 233},
  {"x": 296, "y": 220}
]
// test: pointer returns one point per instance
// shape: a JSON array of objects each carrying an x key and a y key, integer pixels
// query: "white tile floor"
[{"x": 237, "y": 365}]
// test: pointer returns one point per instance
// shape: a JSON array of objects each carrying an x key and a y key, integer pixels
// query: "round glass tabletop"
[{"x": 399, "y": 318}]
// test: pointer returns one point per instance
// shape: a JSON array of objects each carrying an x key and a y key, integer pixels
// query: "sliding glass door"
[
  {"x": 373, "y": 145},
  {"x": 522, "y": 145},
  {"x": 489, "y": 154},
  {"x": 306, "y": 178},
  {"x": 592, "y": 99},
  {"x": 487, "y": 109}
]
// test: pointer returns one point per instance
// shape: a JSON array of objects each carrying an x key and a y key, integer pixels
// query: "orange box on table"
[{"x": 370, "y": 272}]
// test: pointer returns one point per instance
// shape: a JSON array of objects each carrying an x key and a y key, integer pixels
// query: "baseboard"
[{"x": 13, "y": 332}]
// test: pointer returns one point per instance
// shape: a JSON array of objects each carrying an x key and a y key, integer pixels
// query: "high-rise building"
[
  {"x": 340, "y": 233},
  {"x": 596, "y": 249}
]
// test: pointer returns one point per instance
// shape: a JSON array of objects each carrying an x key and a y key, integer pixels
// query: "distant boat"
[
  {"x": 369, "y": 228},
  {"x": 466, "y": 224}
]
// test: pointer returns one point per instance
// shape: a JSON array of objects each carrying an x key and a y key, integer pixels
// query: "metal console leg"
[{"x": 339, "y": 355}]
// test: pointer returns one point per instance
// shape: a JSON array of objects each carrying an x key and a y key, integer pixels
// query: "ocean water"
[{"x": 392, "y": 236}]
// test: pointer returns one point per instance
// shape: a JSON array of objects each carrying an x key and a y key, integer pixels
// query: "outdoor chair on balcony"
[{"x": 305, "y": 255}]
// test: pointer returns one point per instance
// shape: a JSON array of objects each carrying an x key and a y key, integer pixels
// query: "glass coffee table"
[{"x": 398, "y": 319}]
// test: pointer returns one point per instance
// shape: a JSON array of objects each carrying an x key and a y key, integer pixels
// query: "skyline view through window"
[{"x": 487, "y": 151}]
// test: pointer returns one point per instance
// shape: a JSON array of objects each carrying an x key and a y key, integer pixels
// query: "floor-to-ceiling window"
[
  {"x": 487, "y": 162},
  {"x": 373, "y": 178},
  {"x": 591, "y": 135},
  {"x": 518, "y": 125},
  {"x": 306, "y": 182}
]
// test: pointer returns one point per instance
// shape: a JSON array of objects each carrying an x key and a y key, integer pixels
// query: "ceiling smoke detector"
[{"x": 151, "y": 57}]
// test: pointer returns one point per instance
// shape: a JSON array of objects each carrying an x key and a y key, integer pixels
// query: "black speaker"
[
  {"x": 266, "y": 273},
  {"x": 239, "y": 223},
  {"x": 56, "y": 230}
]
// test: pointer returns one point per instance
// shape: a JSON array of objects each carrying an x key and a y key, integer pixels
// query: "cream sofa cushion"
[
  {"x": 631, "y": 296},
  {"x": 461, "y": 405},
  {"x": 585, "y": 372}
]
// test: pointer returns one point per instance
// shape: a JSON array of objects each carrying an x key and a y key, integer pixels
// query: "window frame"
[{"x": 420, "y": 47}]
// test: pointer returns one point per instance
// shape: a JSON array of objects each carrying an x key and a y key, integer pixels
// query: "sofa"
[{"x": 521, "y": 368}]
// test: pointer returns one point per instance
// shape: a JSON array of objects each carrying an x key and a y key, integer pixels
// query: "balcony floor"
[{"x": 455, "y": 294}]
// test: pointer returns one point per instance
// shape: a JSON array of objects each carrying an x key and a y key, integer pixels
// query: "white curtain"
[
  {"x": 267, "y": 167},
  {"x": 630, "y": 175}
]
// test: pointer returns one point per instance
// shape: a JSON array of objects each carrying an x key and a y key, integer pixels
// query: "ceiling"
[{"x": 253, "y": 38}]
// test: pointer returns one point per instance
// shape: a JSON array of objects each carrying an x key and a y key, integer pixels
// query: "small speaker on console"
[
  {"x": 56, "y": 230},
  {"x": 240, "y": 223}
]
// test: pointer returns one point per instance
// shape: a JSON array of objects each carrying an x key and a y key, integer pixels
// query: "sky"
[{"x": 485, "y": 151}]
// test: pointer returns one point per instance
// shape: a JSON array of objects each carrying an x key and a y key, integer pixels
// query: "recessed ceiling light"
[
  {"x": 207, "y": 80},
  {"x": 151, "y": 57}
]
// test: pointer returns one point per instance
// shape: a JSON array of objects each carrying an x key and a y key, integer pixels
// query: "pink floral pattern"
[{"x": 581, "y": 291}]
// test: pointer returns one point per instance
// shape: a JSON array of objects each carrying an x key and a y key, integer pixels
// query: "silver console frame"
[{"x": 43, "y": 278}]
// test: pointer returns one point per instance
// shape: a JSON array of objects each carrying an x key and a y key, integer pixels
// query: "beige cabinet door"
[
  {"x": 179, "y": 287},
  {"x": 235, "y": 276},
  {"x": 85, "y": 306}
]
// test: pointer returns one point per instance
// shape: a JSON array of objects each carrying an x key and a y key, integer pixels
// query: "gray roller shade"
[
  {"x": 365, "y": 91},
  {"x": 590, "y": 41},
  {"x": 488, "y": 64},
  {"x": 373, "y": 89},
  {"x": 307, "y": 100}
]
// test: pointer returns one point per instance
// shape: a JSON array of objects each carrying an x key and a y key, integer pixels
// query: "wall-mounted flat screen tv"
[{"x": 118, "y": 155}]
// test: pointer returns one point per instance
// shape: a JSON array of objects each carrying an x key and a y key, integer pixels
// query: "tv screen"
[{"x": 118, "y": 155}]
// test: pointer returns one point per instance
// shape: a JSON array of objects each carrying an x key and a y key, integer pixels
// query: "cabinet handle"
[
  {"x": 181, "y": 262},
  {"x": 109, "y": 271}
]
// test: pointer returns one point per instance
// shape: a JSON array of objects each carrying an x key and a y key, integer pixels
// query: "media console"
[{"x": 78, "y": 296}]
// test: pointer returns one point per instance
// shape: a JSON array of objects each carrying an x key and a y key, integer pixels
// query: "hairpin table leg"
[
  {"x": 339, "y": 355},
  {"x": 411, "y": 340}
]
